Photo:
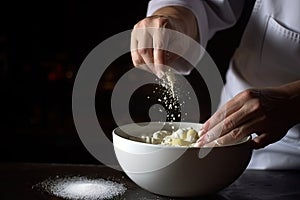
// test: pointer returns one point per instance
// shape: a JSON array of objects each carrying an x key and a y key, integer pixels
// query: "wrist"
[{"x": 292, "y": 90}]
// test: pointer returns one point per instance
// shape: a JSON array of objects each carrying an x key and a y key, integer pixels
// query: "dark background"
[{"x": 42, "y": 45}]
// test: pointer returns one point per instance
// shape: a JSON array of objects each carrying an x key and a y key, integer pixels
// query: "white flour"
[
  {"x": 170, "y": 96},
  {"x": 83, "y": 188},
  {"x": 170, "y": 81}
]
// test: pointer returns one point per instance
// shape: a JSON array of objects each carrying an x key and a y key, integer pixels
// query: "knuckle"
[
  {"x": 256, "y": 105},
  {"x": 220, "y": 142},
  {"x": 247, "y": 94},
  {"x": 144, "y": 23},
  {"x": 229, "y": 124},
  {"x": 153, "y": 21},
  {"x": 160, "y": 20},
  {"x": 142, "y": 51},
  {"x": 136, "y": 26},
  {"x": 136, "y": 61},
  {"x": 235, "y": 134}
]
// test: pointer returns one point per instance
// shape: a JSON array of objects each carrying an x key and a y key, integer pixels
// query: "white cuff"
[{"x": 196, "y": 6}]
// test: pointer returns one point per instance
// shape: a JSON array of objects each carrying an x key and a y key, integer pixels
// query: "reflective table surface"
[{"x": 18, "y": 181}]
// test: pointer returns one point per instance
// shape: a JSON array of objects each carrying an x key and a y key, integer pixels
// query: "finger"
[
  {"x": 232, "y": 137},
  {"x": 179, "y": 44},
  {"x": 210, "y": 136},
  {"x": 145, "y": 45},
  {"x": 147, "y": 55},
  {"x": 227, "y": 125},
  {"x": 138, "y": 61},
  {"x": 235, "y": 112},
  {"x": 160, "y": 43},
  {"x": 141, "y": 38},
  {"x": 261, "y": 141},
  {"x": 159, "y": 62},
  {"x": 136, "y": 58},
  {"x": 240, "y": 133},
  {"x": 230, "y": 107},
  {"x": 133, "y": 40},
  {"x": 141, "y": 48}
]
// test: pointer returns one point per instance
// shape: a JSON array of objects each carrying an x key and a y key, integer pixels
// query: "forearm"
[{"x": 182, "y": 19}]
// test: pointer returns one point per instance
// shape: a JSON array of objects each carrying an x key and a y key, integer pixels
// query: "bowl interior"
[{"x": 133, "y": 132}]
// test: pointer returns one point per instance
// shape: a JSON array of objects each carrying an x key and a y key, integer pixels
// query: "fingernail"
[
  {"x": 201, "y": 140},
  {"x": 200, "y": 133}
]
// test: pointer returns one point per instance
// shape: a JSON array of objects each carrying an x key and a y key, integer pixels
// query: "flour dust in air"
[
  {"x": 82, "y": 188},
  {"x": 169, "y": 95}
]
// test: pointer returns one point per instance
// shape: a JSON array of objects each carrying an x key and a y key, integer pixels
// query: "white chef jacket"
[{"x": 268, "y": 55}]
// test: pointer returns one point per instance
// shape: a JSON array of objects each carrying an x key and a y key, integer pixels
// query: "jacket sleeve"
[{"x": 211, "y": 15}]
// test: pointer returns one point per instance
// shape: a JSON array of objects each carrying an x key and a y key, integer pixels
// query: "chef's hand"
[
  {"x": 268, "y": 112},
  {"x": 149, "y": 39}
]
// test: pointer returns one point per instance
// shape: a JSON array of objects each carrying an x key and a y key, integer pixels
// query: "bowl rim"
[{"x": 114, "y": 132}]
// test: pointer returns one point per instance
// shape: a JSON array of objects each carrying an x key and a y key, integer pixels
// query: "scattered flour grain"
[{"x": 83, "y": 188}]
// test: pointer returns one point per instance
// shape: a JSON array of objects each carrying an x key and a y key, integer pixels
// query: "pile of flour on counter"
[{"x": 82, "y": 188}]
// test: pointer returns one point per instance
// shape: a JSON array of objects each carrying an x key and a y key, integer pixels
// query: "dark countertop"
[{"x": 18, "y": 179}]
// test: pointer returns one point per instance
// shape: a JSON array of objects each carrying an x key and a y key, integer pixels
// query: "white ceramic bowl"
[{"x": 178, "y": 171}]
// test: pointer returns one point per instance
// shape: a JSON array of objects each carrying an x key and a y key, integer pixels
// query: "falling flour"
[
  {"x": 170, "y": 81},
  {"x": 169, "y": 96},
  {"x": 83, "y": 188}
]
